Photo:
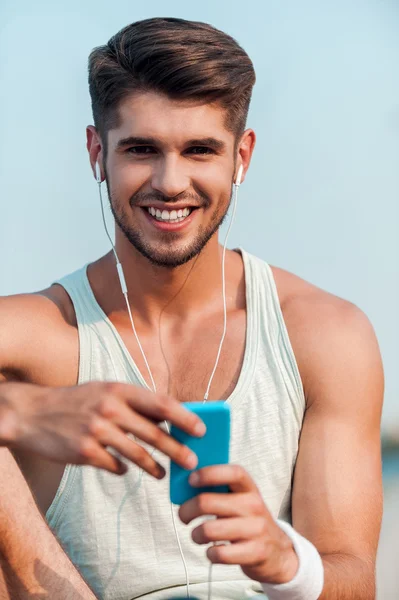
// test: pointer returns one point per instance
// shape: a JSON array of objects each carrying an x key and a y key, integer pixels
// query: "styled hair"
[{"x": 185, "y": 60}]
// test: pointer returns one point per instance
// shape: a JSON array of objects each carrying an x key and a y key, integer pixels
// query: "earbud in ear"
[
  {"x": 98, "y": 173},
  {"x": 239, "y": 175}
]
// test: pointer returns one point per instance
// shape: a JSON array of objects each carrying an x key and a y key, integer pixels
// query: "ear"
[
  {"x": 94, "y": 148},
  {"x": 245, "y": 149}
]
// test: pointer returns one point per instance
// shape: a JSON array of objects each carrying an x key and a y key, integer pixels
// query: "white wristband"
[{"x": 308, "y": 582}]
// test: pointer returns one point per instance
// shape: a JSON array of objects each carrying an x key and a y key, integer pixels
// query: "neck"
[{"x": 181, "y": 291}]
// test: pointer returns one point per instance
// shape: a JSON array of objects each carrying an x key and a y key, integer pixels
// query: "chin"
[
  {"x": 170, "y": 259},
  {"x": 169, "y": 250}
]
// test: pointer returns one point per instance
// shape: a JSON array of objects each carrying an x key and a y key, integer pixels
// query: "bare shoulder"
[
  {"x": 37, "y": 330},
  {"x": 310, "y": 310},
  {"x": 333, "y": 339}
]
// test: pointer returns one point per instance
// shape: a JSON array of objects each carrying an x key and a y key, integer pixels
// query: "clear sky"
[{"x": 322, "y": 195}]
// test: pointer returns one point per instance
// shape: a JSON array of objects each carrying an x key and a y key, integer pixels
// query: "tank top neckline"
[{"x": 251, "y": 335}]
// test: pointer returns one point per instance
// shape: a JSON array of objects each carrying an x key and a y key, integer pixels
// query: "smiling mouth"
[{"x": 170, "y": 216}]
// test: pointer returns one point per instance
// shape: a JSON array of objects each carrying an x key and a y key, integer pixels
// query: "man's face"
[{"x": 169, "y": 171}]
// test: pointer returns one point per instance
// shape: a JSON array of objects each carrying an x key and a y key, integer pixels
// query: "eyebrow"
[{"x": 211, "y": 142}]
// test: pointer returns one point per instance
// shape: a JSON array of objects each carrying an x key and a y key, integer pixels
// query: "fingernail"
[
  {"x": 160, "y": 472},
  {"x": 194, "y": 478},
  {"x": 192, "y": 461},
  {"x": 200, "y": 429}
]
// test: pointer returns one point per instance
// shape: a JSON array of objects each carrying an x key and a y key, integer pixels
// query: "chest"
[{"x": 182, "y": 358}]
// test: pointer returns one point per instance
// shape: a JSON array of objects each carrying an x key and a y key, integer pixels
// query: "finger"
[
  {"x": 93, "y": 454},
  {"x": 109, "y": 434},
  {"x": 164, "y": 408},
  {"x": 242, "y": 553},
  {"x": 220, "y": 505},
  {"x": 235, "y": 476},
  {"x": 150, "y": 433},
  {"x": 231, "y": 530}
]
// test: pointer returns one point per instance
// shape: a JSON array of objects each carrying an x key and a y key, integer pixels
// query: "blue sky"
[{"x": 322, "y": 195}]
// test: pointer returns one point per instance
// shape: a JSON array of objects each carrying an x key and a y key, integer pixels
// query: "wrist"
[
  {"x": 290, "y": 566},
  {"x": 288, "y": 563},
  {"x": 307, "y": 583}
]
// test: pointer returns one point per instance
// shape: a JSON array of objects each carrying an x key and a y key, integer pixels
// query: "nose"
[{"x": 169, "y": 177}]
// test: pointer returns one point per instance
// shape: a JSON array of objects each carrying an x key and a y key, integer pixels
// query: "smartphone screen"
[{"x": 211, "y": 449}]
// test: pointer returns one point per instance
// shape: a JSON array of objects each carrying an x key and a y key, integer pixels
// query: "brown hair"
[{"x": 185, "y": 60}]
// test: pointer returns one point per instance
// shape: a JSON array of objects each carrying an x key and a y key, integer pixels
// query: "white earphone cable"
[
  {"x": 125, "y": 294},
  {"x": 105, "y": 224},
  {"x": 223, "y": 293},
  {"x": 154, "y": 389}
]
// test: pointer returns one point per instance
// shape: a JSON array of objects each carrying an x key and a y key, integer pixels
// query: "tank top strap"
[
  {"x": 272, "y": 328},
  {"x": 102, "y": 353},
  {"x": 76, "y": 286}
]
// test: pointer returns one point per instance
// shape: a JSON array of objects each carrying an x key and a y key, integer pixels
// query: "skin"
[
  {"x": 336, "y": 501},
  {"x": 29, "y": 570}
]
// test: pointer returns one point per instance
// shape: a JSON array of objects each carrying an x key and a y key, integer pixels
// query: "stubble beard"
[{"x": 168, "y": 253}]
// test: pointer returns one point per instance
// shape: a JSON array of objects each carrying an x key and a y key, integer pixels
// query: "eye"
[
  {"x": 200, "y": 150},
  {"x": 140, "y": 150}
]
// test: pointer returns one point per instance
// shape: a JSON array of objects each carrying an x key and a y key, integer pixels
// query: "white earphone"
[
  {"x": 98, "y": 173},
  {"x": 239, "y": 175}
]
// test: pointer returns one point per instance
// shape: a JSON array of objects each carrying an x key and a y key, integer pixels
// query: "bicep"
[
  {"x": 29, "y": 325},
  {"x": 337, "y": 493},
  {"x": 13, "y": 332}
]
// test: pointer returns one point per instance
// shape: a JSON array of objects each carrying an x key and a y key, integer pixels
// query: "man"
[{"x": 300, "y": 368}]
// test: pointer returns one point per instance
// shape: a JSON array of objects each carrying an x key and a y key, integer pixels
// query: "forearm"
[
  {"x": 348, "y": 577},
  {"x": 5, "y": 415},
  {"x": 12, "y": 396},
  {"x": 33, "y": 564}
]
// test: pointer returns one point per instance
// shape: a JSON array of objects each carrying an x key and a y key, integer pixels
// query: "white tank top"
[{"x": 118, "y": 530}]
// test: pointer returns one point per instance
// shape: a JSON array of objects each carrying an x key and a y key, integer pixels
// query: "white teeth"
[{"x": 174, "y": 216}]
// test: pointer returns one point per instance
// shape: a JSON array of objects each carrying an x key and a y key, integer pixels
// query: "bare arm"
[
  {"x": 28, "y": 572},
  {"x": 32, "y": 563},
  {"x": 337, "y": 494}
]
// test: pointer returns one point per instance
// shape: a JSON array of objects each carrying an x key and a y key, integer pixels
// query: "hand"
[
  {"x": 76, "y": 424},
  {"x": 258, "y": 545}
]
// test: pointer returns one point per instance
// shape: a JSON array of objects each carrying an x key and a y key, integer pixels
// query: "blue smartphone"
[{"x": 211, "y": 449}]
